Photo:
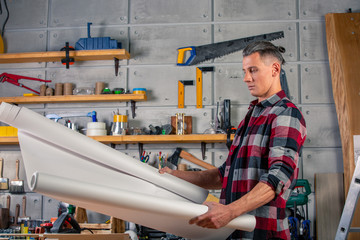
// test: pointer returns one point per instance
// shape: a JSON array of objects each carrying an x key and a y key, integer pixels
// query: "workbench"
[{"x": 43, "y": 236}]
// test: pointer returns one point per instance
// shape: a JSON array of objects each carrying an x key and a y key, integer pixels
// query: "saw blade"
[{"x": 216, "y": 50}]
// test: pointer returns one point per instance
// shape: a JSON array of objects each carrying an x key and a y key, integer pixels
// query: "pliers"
[{"x": 14, "y": 79}]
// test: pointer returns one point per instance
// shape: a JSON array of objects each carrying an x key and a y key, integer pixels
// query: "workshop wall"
[{"x": 152, "y": 31}]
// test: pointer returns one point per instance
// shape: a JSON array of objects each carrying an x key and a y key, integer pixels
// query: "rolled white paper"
[{"x": 71, "y": 167}]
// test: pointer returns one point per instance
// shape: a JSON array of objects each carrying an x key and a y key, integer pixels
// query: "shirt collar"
[{"x": 269, "y": 101}]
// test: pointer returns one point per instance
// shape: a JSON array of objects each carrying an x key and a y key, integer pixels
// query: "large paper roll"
[
  {"x": 91, "y": 155},
  {"x": 71, "y": 167}
]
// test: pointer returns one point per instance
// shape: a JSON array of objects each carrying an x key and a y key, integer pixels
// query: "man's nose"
[{"x": 247, "y": 77}]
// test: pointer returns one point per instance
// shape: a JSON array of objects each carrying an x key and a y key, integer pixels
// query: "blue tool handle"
[
  {"x": 182, "y": 59},
  {"x": 92, "y": 115}
]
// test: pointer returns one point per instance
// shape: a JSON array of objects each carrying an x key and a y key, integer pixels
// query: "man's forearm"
[
  {"x": 208, "y": 179},
  {"x": 260, "y": 195}
]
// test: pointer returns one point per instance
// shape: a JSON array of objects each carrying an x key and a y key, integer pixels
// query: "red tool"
[{"x": 14, "y": 79}]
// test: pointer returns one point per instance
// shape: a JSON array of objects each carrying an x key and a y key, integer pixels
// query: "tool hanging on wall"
[
  {"x": 199, "y": 80},
  {"x": 56, "y": 117},
  {"x": 181, "y": 91},
  {"x": 91, "y": 43},
  {"x": 67, "y": 60},
  {"x": 17, "y": 185},
  {"x": 192, "y": 55},
  {"x": 4, "y": 182},
  {"x": 14, "y": 79}
]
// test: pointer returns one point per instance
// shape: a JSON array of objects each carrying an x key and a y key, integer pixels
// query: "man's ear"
[{"x": 276, "y": 68}]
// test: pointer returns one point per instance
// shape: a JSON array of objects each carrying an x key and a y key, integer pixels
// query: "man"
[{"x": 261, "y": 169}]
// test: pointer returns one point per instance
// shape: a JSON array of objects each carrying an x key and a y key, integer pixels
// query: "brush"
[
  {"x": 24, "y": 217},
  {"x": 4, "y": 182},
  {"x": 17, "y": 185}
]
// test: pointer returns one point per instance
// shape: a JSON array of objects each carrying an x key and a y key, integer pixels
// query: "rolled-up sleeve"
[{"x": 288, "y": 133}]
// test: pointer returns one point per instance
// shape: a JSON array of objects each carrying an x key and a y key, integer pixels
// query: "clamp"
[
  {"x": 199, "y": 79},
  {"x": 14, "y": 79},
  {"x": 181, "y": 91}
]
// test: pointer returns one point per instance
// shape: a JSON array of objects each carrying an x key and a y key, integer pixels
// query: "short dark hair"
[{"x": 265, "y": 48}]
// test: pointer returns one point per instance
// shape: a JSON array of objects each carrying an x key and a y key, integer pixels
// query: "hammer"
[{"x": 174, "y": 159}]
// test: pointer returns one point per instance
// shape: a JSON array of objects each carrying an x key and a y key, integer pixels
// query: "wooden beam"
[
  {"x": 56, "y": 56},
  {"x": 187, "y": 138},
  {"x": 75, "y": 98},
  {"x": 146, "y": 139},
  {"x": 343, "y": 43}
]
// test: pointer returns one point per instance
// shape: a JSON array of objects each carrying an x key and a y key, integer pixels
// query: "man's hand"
[
  {"x": 165, "y": 170},
  {"x": 217, "y": 216}
]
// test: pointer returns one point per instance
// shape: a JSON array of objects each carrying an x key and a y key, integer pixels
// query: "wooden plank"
[
  {"x": 329, "y": 200},
  {"x": 75, "y": 98},
  {"x": 9, "y": 140},
  {"x": 343, "y": 43},
  {"x": 56, "y": 56},
  {"x": 190, "y": 138},
  {"x": 132, "y": 139}
]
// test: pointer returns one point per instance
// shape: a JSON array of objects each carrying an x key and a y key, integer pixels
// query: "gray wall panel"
[
  {"x": 220, "y": 157},
  {"x": 321, "y": 160},
  {"x": 158, "y": 44},
  {"x": 322, "y": 126},
  {"x": 316, "y": 83},
  {"x": 232, "y": 10},
  {"x": 25, "y": 14},
  {"x": 70, "y": 13},
  {"x": 310, "y": 9},
  {"x": 313, "y": 41},
  {"x": 50, "y": 207},
  {"x": 25, "y": 41},
  {"x": 292, "y": 76},
  {"x": 170, "y": 11}
]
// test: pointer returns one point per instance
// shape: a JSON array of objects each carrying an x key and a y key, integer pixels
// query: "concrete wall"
[{"x": 152, "y": 31}]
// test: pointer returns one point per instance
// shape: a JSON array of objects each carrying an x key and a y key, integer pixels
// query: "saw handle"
[
  {"x": 193, "y": 159},
  {"x": 182, "y": 59}
]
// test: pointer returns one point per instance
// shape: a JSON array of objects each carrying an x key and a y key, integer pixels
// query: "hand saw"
[{"x": 210, "y": 51}]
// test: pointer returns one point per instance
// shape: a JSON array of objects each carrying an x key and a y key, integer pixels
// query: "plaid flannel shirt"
[{"x": 265, "y": 149}]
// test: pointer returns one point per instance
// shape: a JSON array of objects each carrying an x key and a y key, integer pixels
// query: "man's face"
[{"x": 259, "y": 76}]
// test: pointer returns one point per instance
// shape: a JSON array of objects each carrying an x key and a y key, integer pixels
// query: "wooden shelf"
[
  {"x": 189, "y": 138},
  {"x": 9, "y": 140},
  {"x": 56, "y": 56},
  {"x": 146, "y": 139},
  {"x": 75, "y": 98}
]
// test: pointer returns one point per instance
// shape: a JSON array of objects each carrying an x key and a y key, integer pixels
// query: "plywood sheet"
[
  {"x": 343, "y": 42},
  {"x": 329, "y": 197}
]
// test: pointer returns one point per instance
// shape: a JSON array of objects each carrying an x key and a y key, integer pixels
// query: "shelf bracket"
[
  {"x": 203, "y": 149},
  {"x": 133, "y": 106},
  {"x": 116, "y": 61}
]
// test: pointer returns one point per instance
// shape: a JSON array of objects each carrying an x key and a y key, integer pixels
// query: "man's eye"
[{"x": 253, "y": 70}]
